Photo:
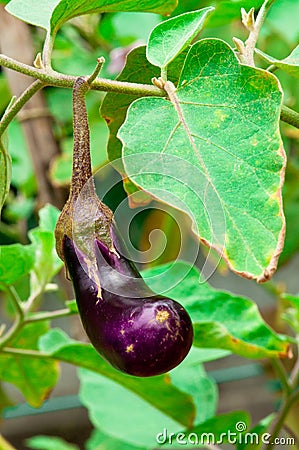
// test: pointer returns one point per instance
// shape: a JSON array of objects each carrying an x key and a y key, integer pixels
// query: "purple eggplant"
[
  {"x": 143, "y": 336},
  {"x": 137, "y": 331}
]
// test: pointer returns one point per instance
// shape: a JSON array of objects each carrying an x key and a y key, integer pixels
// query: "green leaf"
[
  {"x": 34, "y": 377},
  {"x": 115, "y": 105},
  {"x": 190, "y": 377},
  {"x": 121, "y": 413},
  {"x": 215, "y": 152},
  {"x": 157, "y": 392},
  {"x": 16, "y": 260},
  {"x": 52, "y": 14},
  {"x": 47, "y": 263},
  {"x": 172, "y": 36},
  {"x": 290, "y": 64},
  {"x": 49, "y": 443},
  {"x": 216, "y": 314},
  {"x": 213, "y": 431},
  {"x": 5, "y": 172}
]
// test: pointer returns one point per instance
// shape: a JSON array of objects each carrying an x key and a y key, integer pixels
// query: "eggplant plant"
[{"x": 196, "y": 124}]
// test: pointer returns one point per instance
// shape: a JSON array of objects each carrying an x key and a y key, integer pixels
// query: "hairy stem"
[
  {"x": 289, "y": 116},
  {"x": 247, "y": 54},
  {"x": 47, "y": 50},
  {"x": 57, "y": 79},
  {"x": 18, "y": 104}
]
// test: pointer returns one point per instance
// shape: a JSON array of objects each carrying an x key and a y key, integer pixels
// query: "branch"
[
  {"x": 50, "y": 315},
  {"x": 246, "y": 50},
  {"x": 57, "y": 79},
  {"x": 289, "y": 116},
  {"x": 18, "y": 104}
]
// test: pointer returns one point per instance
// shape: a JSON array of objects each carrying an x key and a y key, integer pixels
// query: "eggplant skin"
[{"x": 143, "y": 336}]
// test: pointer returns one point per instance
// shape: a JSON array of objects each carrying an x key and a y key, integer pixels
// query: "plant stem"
[
  {"x": 278, "y": 422},
  {"x": 294, "y": 376},
  {"x": 50, "y": 315},
  {"x": 289, "y": 116},
  {"x": 15, "y": 107},
  {"x": 53, "y": 78},
  {"x": 47, "y": 50},
  {"x": 282, "y": 376},
  {"x": 19, "y": 320},
  {"x": 5, "y": 445},
  {"x": 247, "y": 56}
]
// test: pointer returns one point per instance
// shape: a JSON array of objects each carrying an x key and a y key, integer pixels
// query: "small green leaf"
[
  {"x": 5, "y": 172},
  {"x": 157, "y": 391},
  {"x": 52, "y": 14},
  {"x": 49, "y": 443},
  {"x": 217, "y": 430},
  {"x": 290, "y": 64},
  {"x": 72, "y": 306},
  {"x": 16, "y": 260},
  {"x": 172, "y": 36},
  {"x": 216, "y": 314},
  {"x": 34, "y": 377},
  {"x": 215, "y": 152},
  {"x": 47, "y": 262}
]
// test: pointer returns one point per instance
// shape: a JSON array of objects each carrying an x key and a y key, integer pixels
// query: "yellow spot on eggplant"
[
  {"x": 161, "y": 316},
  {"x": 129, "y": 348},
  {"x": 122, "y": 331}
]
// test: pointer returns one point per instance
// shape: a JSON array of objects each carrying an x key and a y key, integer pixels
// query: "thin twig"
[
  {"x": 19, "y": 320},
  {"x": 18, "y": 104},
  {"x": 282, "y": 374},
  {"x": 50, "y": 315}
]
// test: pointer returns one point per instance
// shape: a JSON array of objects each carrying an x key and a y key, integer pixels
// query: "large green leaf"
[
  {"x": 52, "y": 14},
  {"x": 172, "y": 36},
  {"x": 101, "y": 441},
  {"x": 157, "y": 392},
  {"x": 290, "y": 64},
  {"x": 5, "y": 172},
  {"x": 220, "y": 319},
  {"x": 34, "y": 377},
  {"x": 16, "y": 260},
  {"x": 215, "y": 152},
  {"x": 115, "y": 105},
  {"x": 190, "y": 377}
]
